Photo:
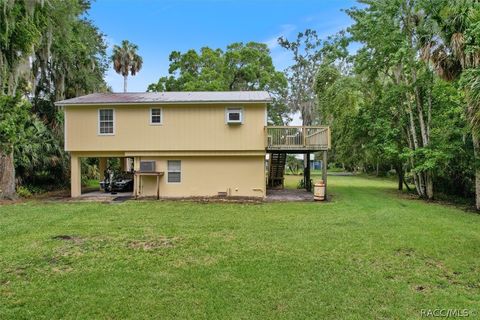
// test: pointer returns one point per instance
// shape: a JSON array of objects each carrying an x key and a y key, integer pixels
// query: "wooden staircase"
[{"x": 276, "y": 170}]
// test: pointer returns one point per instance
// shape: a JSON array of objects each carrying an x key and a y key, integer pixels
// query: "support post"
[
  {"x": 306, "y": 172},
  {"x": 135, "y": 185},
  {"x": 75, "y": 176},
  {"x": 324, "y": 171},
  {"x": 122, "y": 163},
  {"x": 136, "y": 177},
  {"x": 102, "y": 166}
]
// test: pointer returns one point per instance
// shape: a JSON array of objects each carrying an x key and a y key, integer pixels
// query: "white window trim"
[
  {"x": 242, "y": 115},
  {"x": 181, "y": 175},
  {"x": 98, "y": 122},
  {"x": 150, "y": 117}
]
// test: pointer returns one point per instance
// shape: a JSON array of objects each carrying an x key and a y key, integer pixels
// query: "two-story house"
[{"x": 183, "y": 144}]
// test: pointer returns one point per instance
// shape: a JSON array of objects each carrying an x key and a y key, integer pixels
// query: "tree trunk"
[
  {"x": 425, "y": 182},
  {"x": 427, "y": 176},
  {"x": 428, "y": 185},
  {"x": 476, "y": 152},
  {"x": 406, "y": 184},
  {"x": 429, "y": 109},
  {"x": 7, "y": 176},
  {"x": 125, "y": 83},
  {"x": 400, "y": 175},
  {"x": 421, "y": 120},
  {"x": 413, "y": 144}
]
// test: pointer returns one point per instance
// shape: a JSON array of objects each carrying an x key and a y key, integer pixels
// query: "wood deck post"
[
  {"x": 306, "y": 172},
  {"x": 324, "y": 171},
  {"x": 138, "y": 178},
  {"x": 304, "y": 134}
]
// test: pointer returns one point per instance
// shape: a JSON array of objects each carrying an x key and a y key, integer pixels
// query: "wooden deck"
[{"x": 297, "y": 139}]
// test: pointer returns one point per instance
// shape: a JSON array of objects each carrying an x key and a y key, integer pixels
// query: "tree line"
[
  {"x": 407, "y": 100},
  {"x": 48, "y": 51},
  {"x": 400, "y": 87}
]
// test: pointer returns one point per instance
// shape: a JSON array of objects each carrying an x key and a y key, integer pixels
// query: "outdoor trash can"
[{"x": 319, "y": 191}]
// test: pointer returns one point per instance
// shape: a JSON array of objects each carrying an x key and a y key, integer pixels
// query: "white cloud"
[{"x": 286, "y": 30}]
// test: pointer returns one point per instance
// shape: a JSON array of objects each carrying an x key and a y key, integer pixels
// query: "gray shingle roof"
[{"x": 169, "y": 97}]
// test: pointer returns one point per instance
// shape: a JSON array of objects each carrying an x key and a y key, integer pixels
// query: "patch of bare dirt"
[
  {"x": 60, "y": 194},
  {"x": 19, "y": 271},
  {"x": 213, "y": 199},
  {"x": 407, "y": 252},
  {"x": 11, "y": 201},
  {"x": 452, "y": 277},
  {"x": 153, "y": 244},
  {"x": 65, "y": 237},
  {"x": 226, "y": 236},
  {"x": 420, "y": 288}
]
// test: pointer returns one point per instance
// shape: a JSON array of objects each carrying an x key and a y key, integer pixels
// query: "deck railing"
[{"x": 297, "y": 137}]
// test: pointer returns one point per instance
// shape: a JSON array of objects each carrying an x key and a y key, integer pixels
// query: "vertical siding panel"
[{"x": 184, "y": 128}]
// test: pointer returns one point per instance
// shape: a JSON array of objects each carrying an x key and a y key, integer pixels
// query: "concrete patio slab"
[
  {"x": 274, "y": 195},
  {"x": 105, "y": 196}
]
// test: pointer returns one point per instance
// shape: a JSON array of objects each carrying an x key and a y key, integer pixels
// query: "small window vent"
[
  {"x": 222, "y": 194},
  {"x": 147, "y": 166}
]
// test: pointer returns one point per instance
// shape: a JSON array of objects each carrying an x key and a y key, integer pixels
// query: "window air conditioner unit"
[
  {"x": 147, "y": 166},
  {"x": 234, "y": 115}
]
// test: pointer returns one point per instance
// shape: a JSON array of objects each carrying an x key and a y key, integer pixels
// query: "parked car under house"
[{"x": 121, "y": 182}]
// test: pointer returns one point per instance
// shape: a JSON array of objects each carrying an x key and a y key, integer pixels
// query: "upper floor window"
[
  {"x": 156, "y": 116},
  {"x": 106, "y": 121},
  {"x": 234, "y": 115}
]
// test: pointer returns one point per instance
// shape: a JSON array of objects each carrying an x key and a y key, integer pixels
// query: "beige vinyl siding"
[{"x": 184, "y": 128}]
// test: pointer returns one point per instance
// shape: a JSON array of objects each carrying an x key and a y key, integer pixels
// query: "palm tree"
[
  {"x": 455, "y": 55},
  {"x": 126, "y": 60}
]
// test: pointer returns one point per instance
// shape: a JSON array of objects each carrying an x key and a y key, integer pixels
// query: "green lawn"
[{"x": 368, "y": 254}]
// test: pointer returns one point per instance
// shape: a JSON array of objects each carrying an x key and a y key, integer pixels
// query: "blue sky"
[{"x": 159, "y": 27}]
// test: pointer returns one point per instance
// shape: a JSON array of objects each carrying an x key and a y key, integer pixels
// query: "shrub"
[
  {"x": 23, "y": 192},
  {"x": 26, "y": 191}
]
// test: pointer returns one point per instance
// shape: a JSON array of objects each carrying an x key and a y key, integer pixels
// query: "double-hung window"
[
  {"x": 106, "y": 122},
  {"x": 174, "y": 171},
  {"x": 155, "y": 116}
]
